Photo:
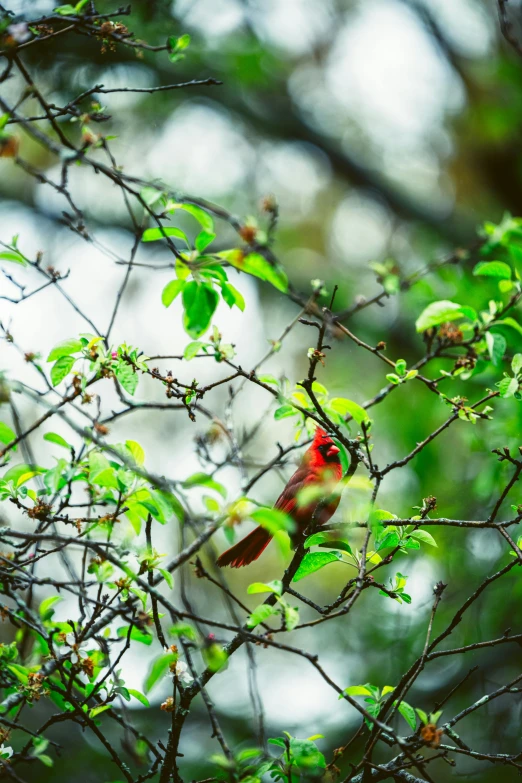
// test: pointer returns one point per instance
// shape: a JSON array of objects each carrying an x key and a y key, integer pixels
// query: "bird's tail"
[{"x": 247, "y": 550}]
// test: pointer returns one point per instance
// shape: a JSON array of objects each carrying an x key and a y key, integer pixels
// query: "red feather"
[{"x": 320, "y": 464}]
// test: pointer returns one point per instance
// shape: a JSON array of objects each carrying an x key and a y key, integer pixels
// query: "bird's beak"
[{"x": 332, "y": 451}]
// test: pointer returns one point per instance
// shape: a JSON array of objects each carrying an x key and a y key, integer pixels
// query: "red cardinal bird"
[{"x": 320, "y": 465}]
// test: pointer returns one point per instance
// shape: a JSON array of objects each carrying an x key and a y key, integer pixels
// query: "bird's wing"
[{"x": 287, "y": 499}]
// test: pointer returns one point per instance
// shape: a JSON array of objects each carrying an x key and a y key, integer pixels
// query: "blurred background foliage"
[{"x": 386, "y": 129}]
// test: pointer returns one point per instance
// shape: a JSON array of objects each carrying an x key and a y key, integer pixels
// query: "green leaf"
[
  {"x": 171, "y": 291},
  {"x": 6, "y": 433},
  {"x": 101, "y": 471},
  {"x": 46, "y": 607},
  {"x": 19, "y": 474},
  {"x": 139, "y": 696},
  {"x": 400, "y": 366},
  {"x": 204, "y": 480},
  {"x": 496, "y": 269},
  {"x": 306, "y": 756},
  {"x": 53, "y": 437},
  {"x": 424, "y": 536},
  {"x": 20, "y": 672},
  {"x": 516, "y": 363},
  {"x": 200, "y": 301},
  {"x": 170, "y": 503},
  {"x": 509, "y": 322},
  {"x": 204, "y": 219},
  {"x": 61, "y": 369},
  {"x": 232, "y": 296},
  {"x": 183, "y": 629},
  {"x": 439, "y": 312},
  {"x": 357, "y": 690},
  {"x": 153, "y": 234},
  {"x": 12, "y": 256},
  {"x": 45, "y": 759},
  {"x": 328, "y": 541},
  {"x": 347, "y": 407},
  {"x": 313, "y": 561},
  {"x": 192, "y": 349},
  {"x": 138, "y": 455},
  {"x": 215, "y": 656},
  {"x": 507, "y": 386},
  {"x": 272, "y": 587},
  {"x": 127, "y": 377},
  {"x": 257, "y": 265},
  {"x": 65, "y": 10},
  {"x": 496, "y": 346},
  {"x": 65, "y": 348},
  {"x": 284, "y": 411},
  {"x": 291, "y": 617},
  {"x": 260, "y": 614},
  {"x": 98, "y": 710},
  {"x": 167, "y": 576},
  {"x": 408, "y": 713},
  {"x": 273, "y": 520},
  {"x": 203, "y": 240},
  {"x": 158, "y": 668},
  {"x": 178, "y": 44},
  {"x": 271, "y": 379},
  {"x": 136, "y": 634},
  {"x": 390, "y": 539}
]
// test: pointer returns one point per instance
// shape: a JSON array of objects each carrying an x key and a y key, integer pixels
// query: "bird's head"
[{"x": 324, "y": 446}]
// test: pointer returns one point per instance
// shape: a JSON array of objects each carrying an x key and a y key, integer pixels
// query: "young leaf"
[
  {"x": 139, "y": 696},
  {"x": 158, "y": 668},
  {"x": 424, "y": 536},
  {"x": 438, "y": 312},
  {"x": 65, "y": 348},
  {"x": 260, "y": 614},
  {"x": 496, "y": 346},
  {"x": 357, "y": 690},
  {"x": 272, "y": 587},
  {"x": 127, "y": 377},
  {"x": 171, "y": 291},
  {"x": 138, "y": 455},
  {"x": 284, "y": 411},
  {"x": 153, "y": 234},
  {"x": 347, "y": 407},
  {"x": 273, "y": 520},
  {"x": 6, "y": 433},
  {"x": 408, "y": 713},
  {"x": 257, "y": 265},
  {"x": 516, "y": 363},
  {"x": 61, "y": 369},
  {"x": 200, "y": 301},
  {"x": 11, "y": 256},
  {"x": 204, "y": 480},
  {"x": 313, "y": 561},
  {"x": 232, "y": 296},
  {"x": 203, "y": 240},
  {"x": 201, "y": 216},
  {"x": 192, "y": 349},
  {"x": 53, "y": 437},
  {"x": 496, "y": 269}
]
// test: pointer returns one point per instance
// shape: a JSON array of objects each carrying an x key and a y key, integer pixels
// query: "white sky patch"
[
  {"x": 295, "y": 26},
  {"x": 385, "y": 70},
  {"x": 360, "y": 229},
  {"x": 200, "y": 151},
  {"x": 214, "y": 18},
  {"x": 296, "y": 172}
]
